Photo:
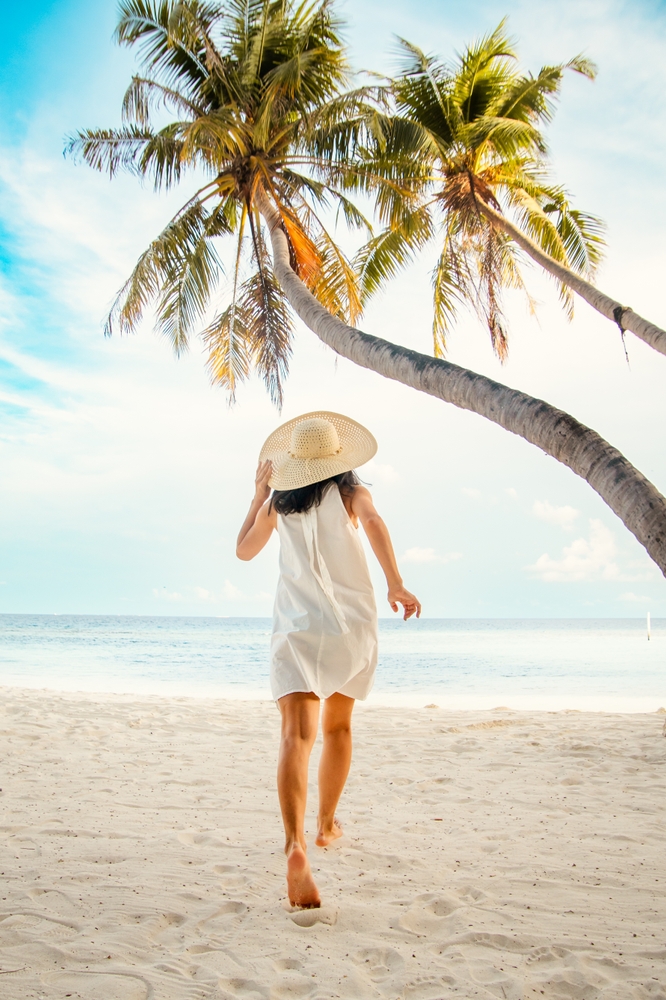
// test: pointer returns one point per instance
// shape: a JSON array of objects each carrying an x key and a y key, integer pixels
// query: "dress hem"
[{"x": 322, "y": 697}]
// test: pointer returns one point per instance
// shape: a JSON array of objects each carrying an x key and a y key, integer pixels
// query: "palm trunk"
[
  {"x": 626, "y": 491},
  {"x": 624, "y": 316}
]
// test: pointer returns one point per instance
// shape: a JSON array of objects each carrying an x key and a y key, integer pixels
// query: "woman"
[{"x": 324, "y": 643}]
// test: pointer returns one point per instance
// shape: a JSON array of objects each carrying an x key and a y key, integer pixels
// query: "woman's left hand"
[{"x": 411, "y": 604}]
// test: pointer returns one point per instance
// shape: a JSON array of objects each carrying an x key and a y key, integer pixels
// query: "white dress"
[{"x": 325, "y": 617}]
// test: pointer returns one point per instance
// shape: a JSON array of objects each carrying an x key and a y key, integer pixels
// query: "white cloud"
[
  {"x": 510, "y": 492},
  {"x": 165, "y": 595},
  {"x": 471, "y": 493},
  {"x": 198, "y": 595},
  {"x": 428, "y": 556},
  {"x": 584, "y": 559},
  {"x": 634, "y": 598},
  {"x": 564, "y": 517},
  {"x": 230, "y": 592}
]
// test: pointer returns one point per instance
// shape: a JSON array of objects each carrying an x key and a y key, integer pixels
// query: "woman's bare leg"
[
  {"x": 334, "y": 765},
  {"x": 300, "y": 715}
]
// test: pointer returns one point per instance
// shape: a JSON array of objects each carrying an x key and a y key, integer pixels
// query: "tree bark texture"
[
  {"x": 624, "y": 316},
  {"x": 634, "y": 499}
]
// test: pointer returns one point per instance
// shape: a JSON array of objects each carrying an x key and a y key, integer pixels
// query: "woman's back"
[{"x": 325, "y": 618}]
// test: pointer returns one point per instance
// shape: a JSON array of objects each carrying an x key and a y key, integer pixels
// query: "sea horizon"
[{"x": 549, "y": 664}]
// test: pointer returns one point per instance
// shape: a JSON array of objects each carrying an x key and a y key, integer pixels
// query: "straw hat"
[{"x": 316, "y": 446}]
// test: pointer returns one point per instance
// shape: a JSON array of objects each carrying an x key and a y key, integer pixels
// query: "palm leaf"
[
  {"x": 384, "y": 256},
  {"x": 144, "y": 95},
  {"x": 181, "y": 267},
  {"x": 268, "y": 322},
  {"x": 110, "y": 150},
  {"x": 229, "y": 357}
]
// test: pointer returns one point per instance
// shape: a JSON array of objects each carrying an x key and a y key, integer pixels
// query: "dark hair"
[{"x": 301, "y": 500}]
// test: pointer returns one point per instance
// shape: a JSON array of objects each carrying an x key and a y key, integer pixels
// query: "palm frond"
[
  {"x": 189, "y": 281},
  {"x": 337, "y": 284},
  {"x": 156, "y": 27},
  {"x": 143, "y": 95},
  {"x": 180, "y": 267},
  {"x": 384, "y": 256},
  {"x": 452, "y": 285},
  {"x": 229, "y": 357},
  {"x": 110, "y": 150},
  {"x": 269, "y": 325}
]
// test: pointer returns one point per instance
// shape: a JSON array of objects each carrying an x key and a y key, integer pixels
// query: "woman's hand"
[
  {"x": 411, "y": 604},
  {"x": 262, "y": 490},
  {"x": 260, "y": 520}
]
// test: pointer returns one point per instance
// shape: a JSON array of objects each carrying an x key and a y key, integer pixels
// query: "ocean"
[{"x": 547, "y": 664}]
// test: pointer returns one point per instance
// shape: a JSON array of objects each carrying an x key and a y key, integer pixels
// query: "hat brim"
[{"x": 357, "y": 446}]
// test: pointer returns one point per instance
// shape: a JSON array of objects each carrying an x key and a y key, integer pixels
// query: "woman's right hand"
[{"x": 262, "y": 490}]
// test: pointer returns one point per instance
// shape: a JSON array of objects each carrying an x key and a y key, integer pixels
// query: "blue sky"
[{"x": 124, "y": 475}]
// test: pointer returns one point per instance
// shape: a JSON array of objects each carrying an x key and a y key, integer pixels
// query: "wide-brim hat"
[{"x": 316, "y": 446}]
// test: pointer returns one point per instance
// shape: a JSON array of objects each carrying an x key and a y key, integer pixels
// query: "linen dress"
[{"x": 325, "y": 617}]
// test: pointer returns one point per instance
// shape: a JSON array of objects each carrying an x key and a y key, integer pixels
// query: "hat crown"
[{"x": 314, "y": 438}]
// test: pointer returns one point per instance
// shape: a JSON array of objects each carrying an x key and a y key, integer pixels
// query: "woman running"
[{"x": 324, "y": 642}]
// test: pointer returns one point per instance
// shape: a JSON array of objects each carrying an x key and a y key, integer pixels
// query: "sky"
[{"x": 124, "y": 476}]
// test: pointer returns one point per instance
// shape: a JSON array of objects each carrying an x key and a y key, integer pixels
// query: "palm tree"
[
  {"x": 634, "y": 499},
  {"x": 477, "y": 124},
  {"x": 265, "y": 123},
  {"x": 243, "y": 113}
]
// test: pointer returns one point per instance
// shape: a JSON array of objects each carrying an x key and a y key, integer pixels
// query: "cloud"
[
  {"x": 510, "y": 492},
  {"x": 198, "y": 595},
  {"x": 634, "y": 598},
  {"x": 165, "y": 595},
  {"x": 471, "y": 493},
  {"x": 428, "y": 556},
  {"x": 564, "y": 517},
  {"x": 584, "y": 559}
]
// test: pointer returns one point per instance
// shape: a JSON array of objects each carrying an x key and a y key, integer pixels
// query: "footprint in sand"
[
  {"x": 211, "y": 960},
  {"x": 438, "y": 987},
  {"x": 193, "y": 839},
  {"x": 308, "y": 918},
  {"x": 427, "y": 912},
  {"x": 246, "y": 989},
  {"x": 544, "y": 954},
  {"x": 287, "y": 964},
  {"x": 379, "y": 963},
  {"x": 429, "y": 988},
  {"x": 99, "y": 985},
  {"x": 293, "y": 985},
  {"x": 224, "y": 918},
  {"x": 231, "y": 876},
  {"x": 58, "y": 902},
  {"x": 161, "y": 925},
  {"x": 21, "y": 927}
]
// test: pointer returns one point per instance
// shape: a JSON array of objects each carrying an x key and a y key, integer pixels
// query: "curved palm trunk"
[
  {"x": 625, "y": 317},
  {"x": 626, "y": 491}
]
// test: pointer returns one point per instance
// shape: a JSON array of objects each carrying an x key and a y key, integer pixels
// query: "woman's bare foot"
[
  {"x": 326, "y": 835},
  {"x": 301, "y": 886}
]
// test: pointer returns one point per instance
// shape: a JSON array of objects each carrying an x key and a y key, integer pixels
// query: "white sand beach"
[{"x": 500, "y": 854}]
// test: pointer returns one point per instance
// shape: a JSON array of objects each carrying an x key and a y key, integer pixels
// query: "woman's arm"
[
  {"x": 260, "y": 521},
  {"x": 380, "y": 540}
]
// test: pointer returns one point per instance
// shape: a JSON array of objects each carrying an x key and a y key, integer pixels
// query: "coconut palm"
[
  {"x": 247, "y": 79},
  {"x": 266, "y": 126},
  {"x": 478, "y": 124},
  {"x": 626, "y": 491}
]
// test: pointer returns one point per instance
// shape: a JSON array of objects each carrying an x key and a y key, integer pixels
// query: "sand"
[{"x": 496, "y": 854}]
